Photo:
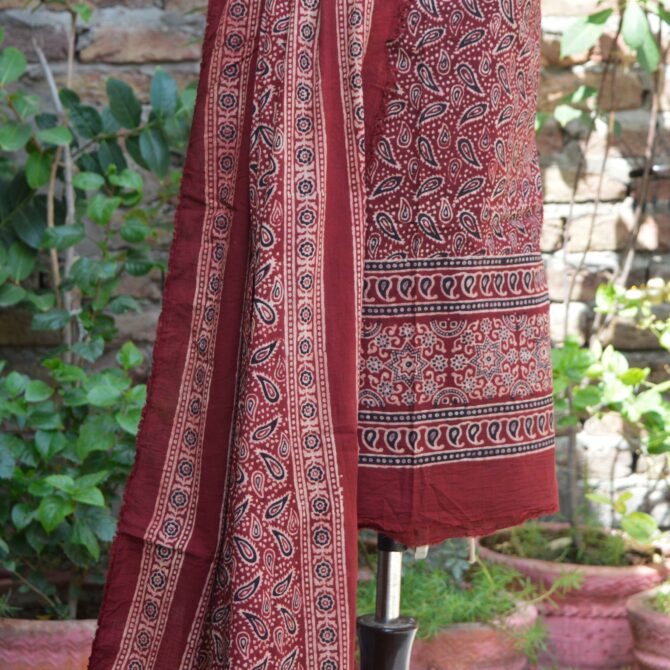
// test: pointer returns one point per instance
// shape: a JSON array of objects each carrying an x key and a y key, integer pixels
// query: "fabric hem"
[{"x": 417, "y": 537}]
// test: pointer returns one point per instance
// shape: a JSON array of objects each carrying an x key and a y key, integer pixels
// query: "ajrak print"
[{"x": 354, "y": 290}]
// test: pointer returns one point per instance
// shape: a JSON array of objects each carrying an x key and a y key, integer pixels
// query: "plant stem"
[
  {"x": 32, "y": 587},
  {"x": 69, "y": 298},
  {"x": 53, "y": 253}
]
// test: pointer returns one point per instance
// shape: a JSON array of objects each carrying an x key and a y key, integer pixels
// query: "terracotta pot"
[
  {"x": 474, "y": 645},
  {"x": 588, "y": 627},
  {"x": 31, "y": 644},
  {"x": 651, "y": 632}
]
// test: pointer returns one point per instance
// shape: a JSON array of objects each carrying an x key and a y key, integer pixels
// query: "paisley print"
[
  {"x": 354, "y": 290},
  {"x": 455, "y": 366}
]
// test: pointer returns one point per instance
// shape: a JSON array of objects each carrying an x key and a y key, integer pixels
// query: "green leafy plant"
[
  {"x": 638, "y": 527},
  {"x": 75, "y": 177},
  {"x": 661, "y": 601},
  {"x": 438, "y": 596}
]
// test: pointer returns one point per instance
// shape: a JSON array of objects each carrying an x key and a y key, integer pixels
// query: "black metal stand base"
[{"x": 385, "y": 645}]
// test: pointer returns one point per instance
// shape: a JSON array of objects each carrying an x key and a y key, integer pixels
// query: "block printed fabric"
[{"x": 354, "y": 330}]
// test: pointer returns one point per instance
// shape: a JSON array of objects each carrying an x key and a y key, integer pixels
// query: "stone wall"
[{"x": 128, "y": 40}]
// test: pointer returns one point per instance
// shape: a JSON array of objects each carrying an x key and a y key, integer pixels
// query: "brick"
[
  {"x": 593, "y": 271},
  {"x": 579, "y": 320},
  {"x": 569, "y": 7},
  {"x": 625, "y": 93},
  {"x": 139, "y": 45},
  {"x": 558, "y": 179},
  {"x": 552, "y": 234},
  {"x": 15, "y": 331},
  {"x": 48, "y": 29},
  {"x": 186, "y": 6},
  {"x": 148, "y": 35},
  {"x": 550, "y": 139},
  {"x": 626, "y": 336}
]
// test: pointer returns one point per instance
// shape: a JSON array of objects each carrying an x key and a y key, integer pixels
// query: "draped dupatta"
[
  {"x": 354, "y": 328},
  {"x": 237, "y": 537}
]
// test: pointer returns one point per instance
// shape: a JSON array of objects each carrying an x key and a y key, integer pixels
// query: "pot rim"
[
  {"x": 556, "y": 568},
  {"x": 526, "y": 611},
  {"x": 638, "y": 603}
]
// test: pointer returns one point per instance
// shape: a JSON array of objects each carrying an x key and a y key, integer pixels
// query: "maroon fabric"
[{"x": 354, "y": 327}]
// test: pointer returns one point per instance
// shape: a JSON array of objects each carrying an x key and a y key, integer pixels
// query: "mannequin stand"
[{"x": 386, "y": 638}]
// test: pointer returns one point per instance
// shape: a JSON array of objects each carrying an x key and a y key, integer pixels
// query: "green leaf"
[
  {"x": 637, "y": 35},
  {"x": 599, "y": 498},
  {"x": 7, "y": 464},
  {"x": 37, "y": 391},
  {"x": 86, "y": 121},
  {"x": 16, "y": 382},
  {"x": 45, "y": 421},
  {"x": 63, "y": 237},
  {"x": 97, "y": 433},
  {"x": 123, "y": 104},
  {"x": 128, "y": 179},
  {"x": 38, "y": 169},
  {"x": 22, "y": 515},
  {"x": 52, "y": 511},
  {"x": 54, "y": 319},
  {"x": 11, "y": 294},
  {"x": 101, "y": 208},
  {"x": 84, "y": 11},
  {"x": 105, "y": 389},
  {"x": 61, "y": 482},
  {"x": 129, "y": 356},
  {"x": 101, "y": 521},
  {"x": 82, "y": 534},
  {"x": 111, "y": 157},
  {"x": 129, "y": 420},
  {"x": 588, "y": 396},
  {"x": 133, "y": 148},
  {"x": 41, "y": 301},
  {"x": 649, "y": 53},
  {"x": 13, "y": 135},
  {"x": 91, "y": 496},
  {"x": 583, "y": 34},
  {"x": 88, "y": 181},
  {"x": 634, "y": 376},
  {"x": 20, "y": 261},
  {"x": 90, "y": 350},
  {"x": 635, "y": 24},
  {"x": 564, "y": 114},
  {"x": 49, "y": 443},
  {"x": 69, "y": 98},
  {"x": 155, "y": 151},
  {"x": 25, "y": 104},
  {"x": 12, "y": 65},
  {"x": 135, "y": 228},
  {"x": 163, "y": 94},
  {"x": 59, "y": 136},
  {"x": 640, "y": 526}
]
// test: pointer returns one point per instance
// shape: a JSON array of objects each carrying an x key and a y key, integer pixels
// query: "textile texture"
[{"x": 354, "y": 329}]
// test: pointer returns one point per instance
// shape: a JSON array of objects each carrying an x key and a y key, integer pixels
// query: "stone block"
[
  {"x": 15, "y": 331},
  {"x": 624, "y": 93},
  {"x": 589, "y": 275},
  {"x": 139, "y": 327},
  {"x": 558, "y": 179},
  {"x": 569, "y": 7},
  {"x": 141, "y": 36},
  {"x": 625, "y": 335},
  {"x": 48, "y": 29},
  {"x": 579, "y": 319}
]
